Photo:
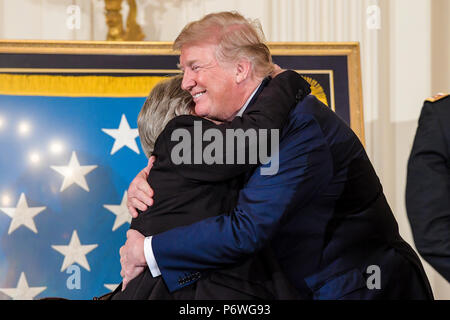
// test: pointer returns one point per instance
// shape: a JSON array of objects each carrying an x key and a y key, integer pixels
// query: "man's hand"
[
  {"x": 132, "y": 257},
  {"x": 139, "y": 195}
]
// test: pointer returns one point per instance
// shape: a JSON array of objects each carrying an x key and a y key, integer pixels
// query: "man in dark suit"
[
  {"x": 428, "y": 184},
  {"x": 323, "y": 212}
]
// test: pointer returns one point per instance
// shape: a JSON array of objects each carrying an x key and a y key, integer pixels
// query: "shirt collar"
[{"x": 241, "y": 112}]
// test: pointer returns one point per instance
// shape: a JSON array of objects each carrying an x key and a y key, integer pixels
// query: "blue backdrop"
[{"x": 77, "y": 123}]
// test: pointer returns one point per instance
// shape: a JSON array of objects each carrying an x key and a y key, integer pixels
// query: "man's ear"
[{"x": 243, "y": 70}]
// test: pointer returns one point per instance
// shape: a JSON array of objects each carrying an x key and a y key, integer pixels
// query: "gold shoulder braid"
[{"x": 437, "y": 97}]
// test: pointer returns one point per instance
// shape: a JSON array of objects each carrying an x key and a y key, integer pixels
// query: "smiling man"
[
  {"x": 323, "y": 213},
  {"x": 210, "y": 84},
  {"x": 220, "y": 87}
]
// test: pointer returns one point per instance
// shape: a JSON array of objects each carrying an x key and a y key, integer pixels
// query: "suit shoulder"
[
  {"x": 309, "y": 100},
  {"x": 440, "y": 100},
  {"x": 164, "y": 138},
  {"x": 178, "y": 122},
  {"x": 311, "y": 105},
  {"x": 182, "y": 120},
  {"x": 439, "y": 103},
  {"x": 184, "y": 124},
  {"x": 312, "y": 110},
  {"x": 438, "y": 97},
  {"x": 185, "y": 121}
]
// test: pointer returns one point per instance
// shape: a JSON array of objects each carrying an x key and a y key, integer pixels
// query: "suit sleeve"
[
  {"x": 220, "y": 155},
  {"x": 428, "y": 192},
  {"x": 305, "y": 168}
]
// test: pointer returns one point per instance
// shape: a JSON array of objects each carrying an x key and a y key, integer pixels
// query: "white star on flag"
[
  {"x": 121, "y": 212},
  {"x": 124, "y": 136},
  {"x": 22, "y": 215},
  {"x": 75, "y": 252},
  {"x": 23, "y": 291},
  {"x": 74, "y": 173}
]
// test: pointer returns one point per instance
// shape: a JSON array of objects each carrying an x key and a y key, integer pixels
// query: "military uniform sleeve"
[{"x": 428, "y": 191}]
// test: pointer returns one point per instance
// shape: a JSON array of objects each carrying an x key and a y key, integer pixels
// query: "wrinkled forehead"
[{"x": 198, "y": 52}]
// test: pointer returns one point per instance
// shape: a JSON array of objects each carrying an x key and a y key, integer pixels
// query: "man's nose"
[{"x": 188, "y": 81}]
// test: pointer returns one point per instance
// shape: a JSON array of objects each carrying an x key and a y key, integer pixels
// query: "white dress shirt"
[{"x": 148, "y": 250}]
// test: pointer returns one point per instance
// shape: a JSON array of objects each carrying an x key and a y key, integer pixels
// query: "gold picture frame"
[{"x": 350, "y": 51}]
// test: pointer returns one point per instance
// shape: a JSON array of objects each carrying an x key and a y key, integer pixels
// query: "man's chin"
[
  {"x": 201, "y": 111},
  {"x": 206, "y": 113}
]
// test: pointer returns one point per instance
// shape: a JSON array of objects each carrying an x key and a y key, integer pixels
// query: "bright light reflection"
[
  {"x": 56, "y": 147},
  {"x": 35, "y": 157},
  {"x": 24, "y": 128},
  {"x": 6, "y": 199}
]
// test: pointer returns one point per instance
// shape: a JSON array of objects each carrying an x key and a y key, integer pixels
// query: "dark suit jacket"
[
  {"x": 324, "y": 213},
  {"x": 187, "y": 193},
  {"x": 428, "y": 185}
]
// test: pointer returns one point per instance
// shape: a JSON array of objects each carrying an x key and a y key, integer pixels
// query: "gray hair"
[
  {"x": 166, "y": 101},
  {"x": 235, "y": 36}
]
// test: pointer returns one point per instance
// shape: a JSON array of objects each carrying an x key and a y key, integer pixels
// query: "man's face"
[{"x": 212, "y": 84}]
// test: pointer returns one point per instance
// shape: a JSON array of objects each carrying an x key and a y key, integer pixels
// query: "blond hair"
[
  {"x": 166, "y": 101},
  {"x": 235, "y": 36}
]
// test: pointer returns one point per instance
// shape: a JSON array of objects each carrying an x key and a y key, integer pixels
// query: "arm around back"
[
  {"x": 305, "y": 168},
  {"x": 257, "y": 128}
]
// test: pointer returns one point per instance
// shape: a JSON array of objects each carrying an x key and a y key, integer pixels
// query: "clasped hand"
[{"x": 132, "y": 257}]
